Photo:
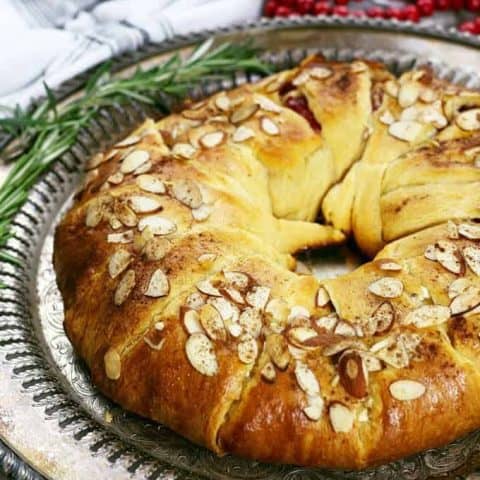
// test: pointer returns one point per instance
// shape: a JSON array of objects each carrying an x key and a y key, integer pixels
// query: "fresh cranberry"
[
  {"x": 375, "y": 12},
  {"x": 305, "y": 7},
  {"x": 270, "y": 8},
  {"x": 321, "y": 8},
  {"x": 393, "y": 12},
  {"x": 411, "y": 13},
  {"x": 300, "y": 105},
  {"x": 287, "y": 3},
  {"x": 443, "y": 4},
  {"x": 426, "y": 7},
  {"x": 473, "y": 5},
  {"x": 458, "y": 4},
  {"x": 468, "y": 27},
  {"x": 358, "y": 13},
  {"x": 341, "y": 2},
  {"x": 340, "y": 10},
  {"x": 283, "y": 11}
]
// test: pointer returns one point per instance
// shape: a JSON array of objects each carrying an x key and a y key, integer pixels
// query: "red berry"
[
  {"x": 473, "y": 5},
  {"x": 305, "y": 7},
  {"x": 411, "y": 13},
  {"x": 468, "y": 27},
  {"x": 358, "y": 13},
  {"x": 283, "y": 11},
  {"x": 270, "y": 8},
  {"x": 321, "y": 8},
  {"x": 443, "y": 4},
  {"x": 375, "y": 12},
  {"x": 458, "y": 4},
  {"x": 287, "y": 3},
  {"x": 340, "y": 10},
  {"x": 426, "y": 7},
  {"x": 341, "y": 2},
  {"x": 394, "y": 13}
]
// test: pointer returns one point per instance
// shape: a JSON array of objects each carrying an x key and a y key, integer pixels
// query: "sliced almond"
[
  {"x": 306, "y": 379},
  {"x": 125, "y": 214},
  {"x": 452, "y": 230},
  {"x": 226, "y": 309},
  {"x": 386, "y": 117},
  {"x": 372, "y": 363},
  {"x": 114, "y": 222},
  {"x": 328, "y": 322},
  {"x": 388, "y": 265},
  {"x": 118, "y": 262},
  {"x": 314, "y": 408},
  {"x": 159, "y": 286},
  {"x": 301, "y": 78},
  {"x": 430, "y": 253},
  {"x": 234, "y": 295},
  {"x": 124, "y": 287},
  {"x": 391, "y": 88},
  {"x": 269, "y": 126},
  {"x": 196, "y": 115},
  {"x": 144, "y": 204},
  {"x": 345, "y": 329},
  {"x": 201, "y": 213},
  {"x": 258, "y": 297},
  {"x": 94, "y": 215},
  {"x": 156, "y": 248},
  {"x": 187, "y": 192},
  {"x": 238, "y": 280},
  {"x": 353, "y": 374},
  {"x": 386, "y": 287},
  {"x": 448, "y": 255},
  {"x": 469, "y": 230},
  {"x": 242, "y": 134},
  {"x": 116, "y": 179},
  {"x": 201, "y": 355},
  {"x": 112, "y": 363},
  {"x": 144, "y": 168},
  {"x": 251, "y": 320},
  {"x": 406, "y": 130},
  {"x": 383, "y": 317},
  {"x": 157, "y": 224},
  {"x": 247, "y": 349},
  {"x": 341, "y": 346},
  {"x": 428, "y": 95},
  {"x": 395, "y": 355},
  {"x": 128, "y": 142},
  {"x": 408, "y": 94},
  {"x": 206, "y": 258},
  {"x": 96, "y": 161},
  {"x": 154, "y": 346},
  {"x": 277, "y": 309},
  {"x": 121, "y": 237},
  {"x": 191, "y": 320},
  {"x": 133, "y": 160},
  {"x": 428, "y": 316},
  {"x": 341, "y": 417},
  {"x": 406, "y": 390},
  {"x": 469, "y": 120},
  {"x": 298, "y": 311},
  {"x": 320, "y": 73},
  {"x": 243, "y": 113},
  {"x": 212, "y": 322},
  {"x": 300, "y": 336},
  {"x": 266, "y": 104},
  {"x": 358, "y": 67},
  {"x": 268, "y": 372},
  {"x": 465, "y": 301},
  {"x": 277, "y": 348},
  {"x": 322, "y": 298},
  {"x": 151, "y": 184},
  {"x": 183, "y": 150},
  {"x": 458, "y": 286},
  {"x": 212, "y": 139},
  {"x": 222, "y": 102},
  {"x": 206, "y": 287},
  {"x": 195, "y": 300},
  {"x": 472, "y": 257}
]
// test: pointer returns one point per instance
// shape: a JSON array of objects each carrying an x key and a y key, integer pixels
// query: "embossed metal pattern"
[{"x": 50, "y": 413}]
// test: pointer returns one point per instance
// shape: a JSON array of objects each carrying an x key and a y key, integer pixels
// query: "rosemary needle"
[{"x": 49, "y": 130}]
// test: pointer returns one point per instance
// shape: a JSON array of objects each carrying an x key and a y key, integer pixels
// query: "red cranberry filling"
[{"x": 300, "y": 105}]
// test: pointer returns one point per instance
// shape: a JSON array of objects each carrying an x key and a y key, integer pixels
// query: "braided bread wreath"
[{"x": 176, "y": 269}]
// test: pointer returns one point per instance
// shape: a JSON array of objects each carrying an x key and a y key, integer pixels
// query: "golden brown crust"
[{"x": 177, "y": 277}]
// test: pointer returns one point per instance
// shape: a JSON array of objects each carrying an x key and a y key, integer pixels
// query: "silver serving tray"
[{"x": 53, "y": 422}]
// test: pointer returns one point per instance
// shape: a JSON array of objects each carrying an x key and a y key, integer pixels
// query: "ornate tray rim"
[{"x": 11, "y": 463}]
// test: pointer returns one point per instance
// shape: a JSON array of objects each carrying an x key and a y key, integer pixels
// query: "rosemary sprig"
[{"x": 50, "y": 130}]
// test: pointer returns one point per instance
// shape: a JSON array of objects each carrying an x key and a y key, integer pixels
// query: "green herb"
[{"x": 48, "y": 131}]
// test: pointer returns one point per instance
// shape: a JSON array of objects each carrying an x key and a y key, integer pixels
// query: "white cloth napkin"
[{"x": 52, "y": 40}]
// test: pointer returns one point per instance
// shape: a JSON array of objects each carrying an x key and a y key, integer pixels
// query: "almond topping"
[
  {"x": 298, "y": 311},
  {"x": 452, "y": 230},
  {"x": 383, "y": 317},
  {"x": 201, "y": 213},
  {"x": 144, "y": 204},
  {"x": 191, "y": 320},
  {"x": 183, "y": 150},
  {"x": 406, "y": 390},
  {"x": 121, "y": 237},
  {"x": 266, "y": 104},
  {"x": 277, "y": 348},
  {"x": 207, "y": 288},
  {"x": 247, "y": 349},
  {"x": 301, "y": 78},
  {"x": 353, "y": 375},
  {"x": 465, "y": 301},
  {"x": 341, "y": 417},
  {"x": 320, "y": 73},
  {"x": 243, "y": 113},
  {"x": 358, "y": 67},
  {"x": 323, "y": 298},
  {"x": 469, "y": 120},
  {"x": 201, "y": 355},
  {"x": 213, "y": 139},
  {"x": 195, "y": 300},
  {"x": 406, "y": 130},
  {"x": 345, "y": 329},
  {"x": 269, "y": 126},
  {"x": 430, "y": 253},
  {"x": 151, "y": 184},
  {"x": 188, "y": 193},
  {"x": 128, "y": 142},
  {"x": 94, "y": 215},
  {"x": 156, "y": 248},
  {"x": 328, "y": 322},
  {"x": 223, "y": 102},
  {"x": 206, "y": 258},
  {"x": 251, "y": 320},
  {"x": 391, "y": 87},
  {"x": 386, "y": 287},
  {"x": 242, "y": 133},
  {"x": 226, "y": 309},
  {"x": 116, "y": 179},
  {"x": 154, "y": 346},
  {"x": 268, "y": 372},
  {"x": 157, "y": 224},
  {"x": 314, "y": 408},
  {"x": 306, "y": 379},
  {"x": 458, "y": 286},
  {"x": 386, "y": 117},
  {"x": 258, "y": 297},
  {"x": 159, "y": 285},
  {"x": 408, "y": 94},
  {"x": 448, "y": 255},
  {"x": 124, "y": 287},
  {"x": 234, "y": 295},
  {"x": 470, "y": 231},
  {"x": 144, "y": 168},
  {"x": 133, "y": 160},
  {"x": 299, "y": 336},
  {"x": 118, "y": 262},
  {"x": 428, "y": 95},
  {"x": 342, "y": 345},
  {"x": 237, "y": 280},
  {"x": 388, "y": 265},
  {"x": 472, "y": 257},
  {"x": 125, "y": 214},
  {"x": 212, "y": 322},
  {"x": 113, "y": 364},
  {"x": 428, "y": 316}
]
